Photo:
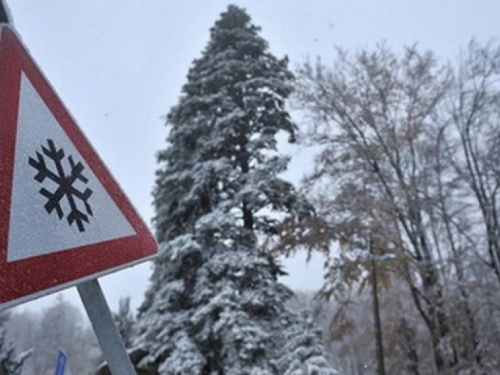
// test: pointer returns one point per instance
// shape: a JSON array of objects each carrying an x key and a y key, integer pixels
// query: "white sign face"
[{"x": 57, "y": 201}]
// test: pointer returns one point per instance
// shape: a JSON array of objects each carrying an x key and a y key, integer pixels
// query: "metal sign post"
[{"x": 105, "y": 328}]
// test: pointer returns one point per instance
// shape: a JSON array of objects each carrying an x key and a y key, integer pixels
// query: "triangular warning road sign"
[{"x": 64, "y": 218}]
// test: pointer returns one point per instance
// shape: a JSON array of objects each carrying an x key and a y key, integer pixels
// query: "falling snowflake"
[{"x": 65, "y": 185}]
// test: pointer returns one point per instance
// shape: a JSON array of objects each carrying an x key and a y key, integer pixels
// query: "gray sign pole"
[{"x": 105, "y": 328}]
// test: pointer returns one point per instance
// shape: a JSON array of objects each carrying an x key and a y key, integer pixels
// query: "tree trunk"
[{"x": 376, "y": 316}]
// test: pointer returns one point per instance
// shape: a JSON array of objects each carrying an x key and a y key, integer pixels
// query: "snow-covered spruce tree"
[
  {"x": 125, "y": 322},
  {"x": 214, "y": 305},
  {"x": 302, "y": 351},
  {"x": 10, "y": 362}
]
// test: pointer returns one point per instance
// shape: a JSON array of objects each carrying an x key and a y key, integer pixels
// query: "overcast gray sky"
[{"x": 119, "y": 66}]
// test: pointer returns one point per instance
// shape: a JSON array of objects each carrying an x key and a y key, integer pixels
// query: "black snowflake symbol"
[{"x": 66, "y": 188}]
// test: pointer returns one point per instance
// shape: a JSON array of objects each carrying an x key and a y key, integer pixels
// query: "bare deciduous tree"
[{"x": 388, "y": 168}]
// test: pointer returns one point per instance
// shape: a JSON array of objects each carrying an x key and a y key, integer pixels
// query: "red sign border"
[{"x": 28, "y": 278}]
